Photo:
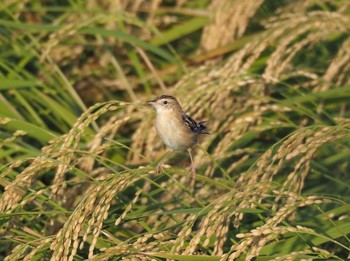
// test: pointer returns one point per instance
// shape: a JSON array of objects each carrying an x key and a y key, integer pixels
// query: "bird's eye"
[{"x": 165, "y": 102}]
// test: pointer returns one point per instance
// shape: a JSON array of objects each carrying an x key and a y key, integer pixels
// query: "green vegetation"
[{"x": 78, "y": 150}]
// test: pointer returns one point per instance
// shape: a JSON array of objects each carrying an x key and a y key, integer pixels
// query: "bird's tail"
[{"x": 202, "y": 128}]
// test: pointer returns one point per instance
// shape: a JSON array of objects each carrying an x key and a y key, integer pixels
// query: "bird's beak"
[{"x": 151, "y": 102}]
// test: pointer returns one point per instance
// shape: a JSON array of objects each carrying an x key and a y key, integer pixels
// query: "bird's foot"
[{"x": 192, "y": 177}]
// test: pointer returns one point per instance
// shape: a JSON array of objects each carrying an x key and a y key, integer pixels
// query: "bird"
[{"x": 178, "y": 130}]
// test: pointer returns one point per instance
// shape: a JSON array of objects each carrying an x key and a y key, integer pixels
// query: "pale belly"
[{"x": 175, "y": 137}]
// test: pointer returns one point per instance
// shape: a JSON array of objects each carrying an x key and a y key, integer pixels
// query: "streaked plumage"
[{"x": 196, "y": 127}]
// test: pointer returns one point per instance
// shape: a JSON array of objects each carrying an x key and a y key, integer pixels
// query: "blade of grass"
[
  {"x": 180, "y": 31},
  {"x": 32, "y": 130},
  {"x": 129, "y": 39}
]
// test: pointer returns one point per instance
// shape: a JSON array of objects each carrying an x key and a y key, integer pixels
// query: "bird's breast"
[{"x": 174, "y": 133}]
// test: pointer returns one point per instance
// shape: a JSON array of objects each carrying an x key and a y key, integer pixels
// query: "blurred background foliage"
[{"x": 77, "y": 147}]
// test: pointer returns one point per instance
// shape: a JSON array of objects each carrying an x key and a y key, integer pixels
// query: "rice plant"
[{"x": 78, "y": 148}]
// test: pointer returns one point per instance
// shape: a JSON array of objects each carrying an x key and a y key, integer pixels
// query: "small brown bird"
[{"x": 178, "y": 131}]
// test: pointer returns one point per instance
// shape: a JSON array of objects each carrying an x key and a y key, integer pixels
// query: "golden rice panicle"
[
  {"x": 183, "y": 234},
  {"x": 315, "y": 25},
  {"x": 17, "y": 252},
  {"x": 300, "y": 148},
  {"x": 338, "y": 70},
  {"x": 253, "y": 241},
  {"x": 214, "y": 227},
  {"x": 88, "y": 217},
  {"x": 67, "y": 150},
  {"x": 128, "y": 208},
  {"x": 15, "y": 191},
  {"x": 97, "y": 145},
  {"x": 229, "y": 21},
  {"x": 278, "y": 30},
  {"x": 17, "y": 134},
  {"x": 60, "y": 151},
  {"x": 298, "y": 255}
]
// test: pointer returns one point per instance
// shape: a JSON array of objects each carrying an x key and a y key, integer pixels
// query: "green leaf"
[
  {"x": 57, "y": 108},
  {"x": 8, "y": 110},
  {"x": 6, "y": 84},
  {"x": 185, "y": 257},
  {"x": 342, "y": 93},
  {"x": 32, "y": 130},
  {"x": 129, "y": 39},
  {"x": 180, "y": 30},
  {"x": 30, "y": 27}
]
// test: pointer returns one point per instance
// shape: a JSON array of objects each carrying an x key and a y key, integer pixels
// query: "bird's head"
[{"x": 165, "y": 103}]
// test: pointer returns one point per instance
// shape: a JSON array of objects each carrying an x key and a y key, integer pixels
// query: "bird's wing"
[{"x": 196, "y": 127}]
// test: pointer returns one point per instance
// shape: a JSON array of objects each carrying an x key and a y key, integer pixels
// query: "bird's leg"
[
  {"x": 193, "y": 169},
  {"x": 159, "y": 165}
]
